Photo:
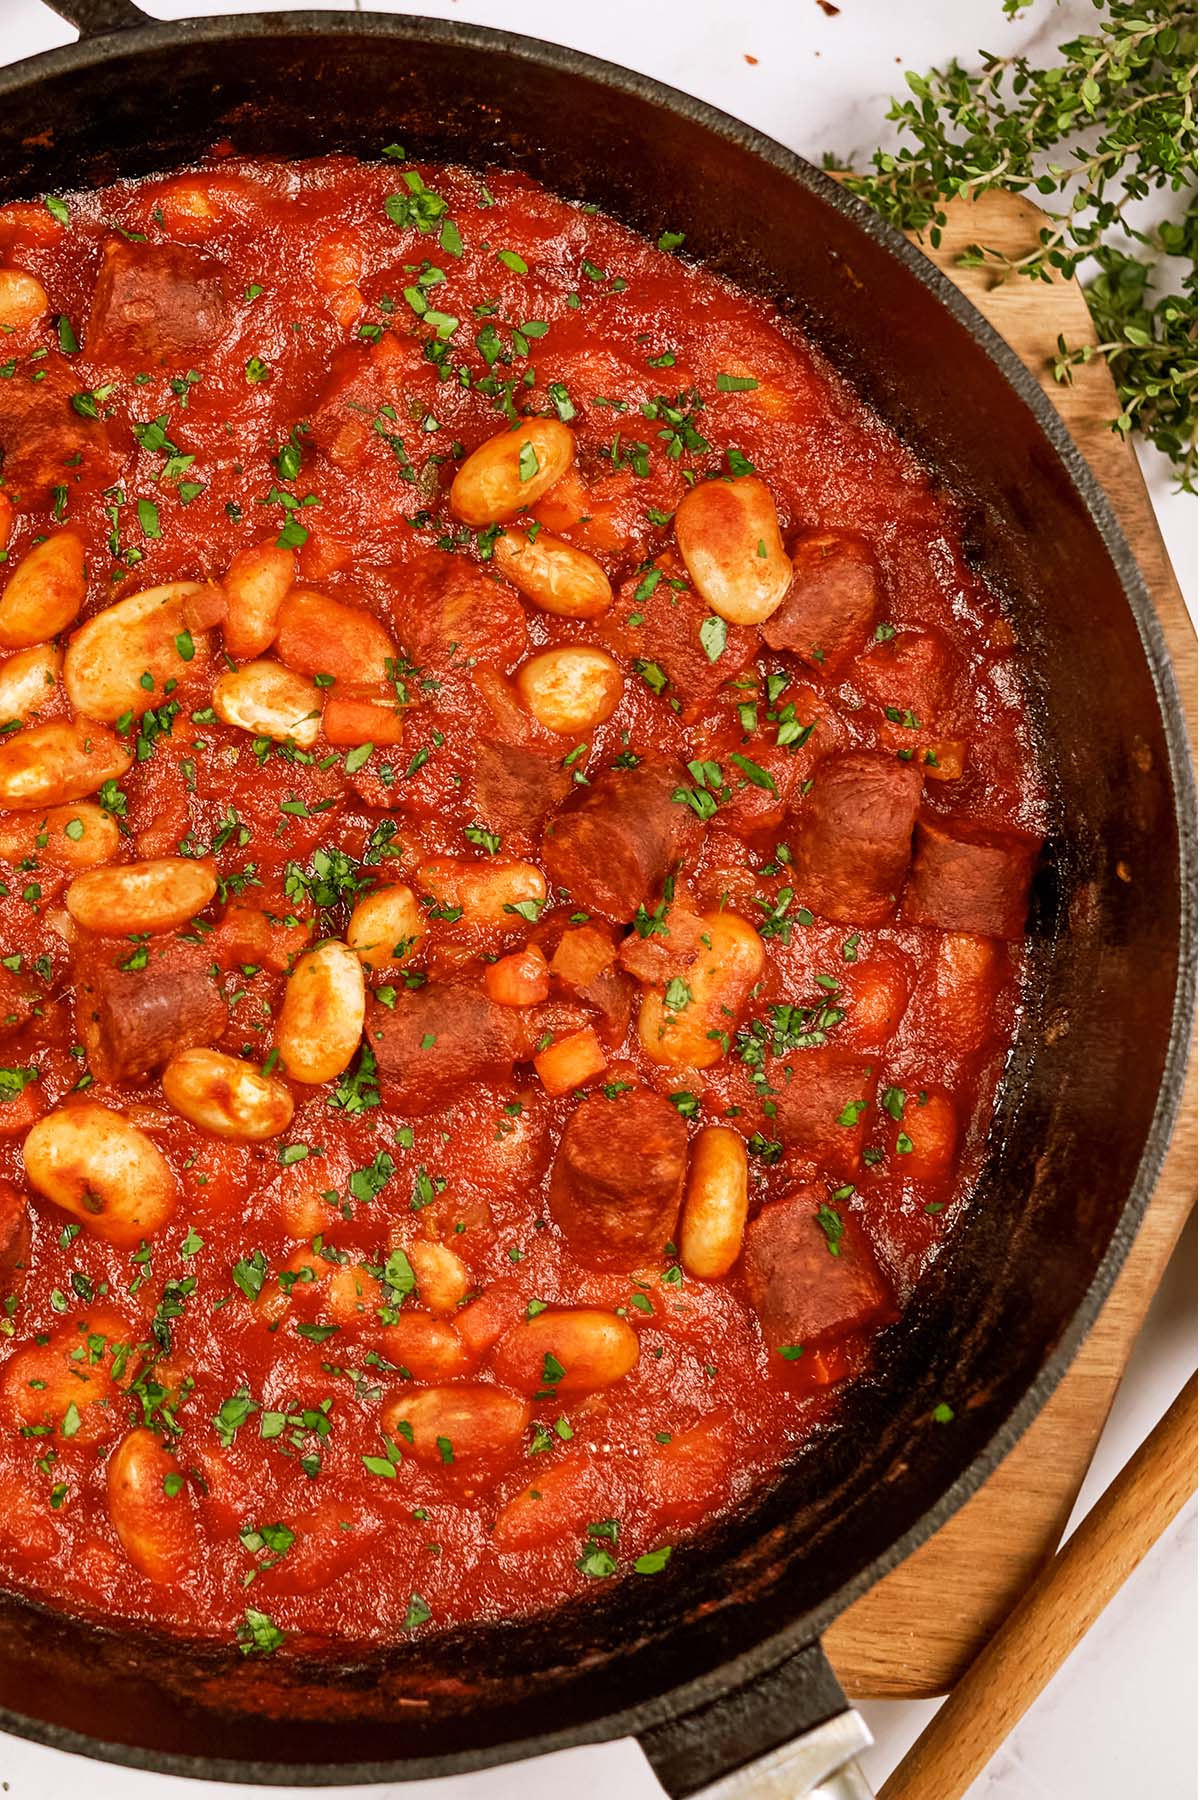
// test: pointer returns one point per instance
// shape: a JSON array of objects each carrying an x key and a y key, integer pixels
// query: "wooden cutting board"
[{"x": 915, "y": 1632}]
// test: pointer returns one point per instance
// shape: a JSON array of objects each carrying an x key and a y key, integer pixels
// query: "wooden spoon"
[{"x": 1061, "y": 1606}]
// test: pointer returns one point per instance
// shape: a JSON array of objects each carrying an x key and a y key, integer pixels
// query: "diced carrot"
[
  {"x": 948, "y": 757},
  {"x": 582, "y": 954},
  {"x": 253, "y": 934},
  {"x": 359, "y": 716},
  {"x": 571, "y": 1062},
  {"x": 927, "y": 1136},
  {"x": 564, "y": 504},
  {"x": 346, "y": 305},
  {"x": 521, "y": 979},
  {"x": 941, "y": 759},
  {"x": 18, "y": 1112},
  {"x": 819, "y": 1367}
]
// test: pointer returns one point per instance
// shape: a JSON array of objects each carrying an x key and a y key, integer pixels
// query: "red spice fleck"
[{"x": 750, "y": 59}]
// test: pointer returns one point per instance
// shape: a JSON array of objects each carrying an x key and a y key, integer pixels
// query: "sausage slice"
[
  {"x": 811, "y": 1273},
  {"x": 614, "y": 850},
  {"x": 134, "y": 1020},
  {"x": 515, "y": 790},
  {"x": 437, "y": 1038},
  {"x": 156, "y": 303},
  {"x": 822, "y": 1105},
  {"x": 830, "y": 608},
  {"x": 966, "y": 877},
  {"x": 14, "y": 1238},
  {"x": 46, "y": 443},
  {"x": 618, "y": 1179},
  {"x": 855, "y": 836}
]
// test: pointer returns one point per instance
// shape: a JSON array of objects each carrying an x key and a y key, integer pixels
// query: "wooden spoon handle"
[{"x": 1061, "y": 1606}]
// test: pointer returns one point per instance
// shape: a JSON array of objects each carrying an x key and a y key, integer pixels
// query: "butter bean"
[
  {"x": 728, "y": 536},
  {"x": 321, "y": 1023},
  {"x": 511, "y": 470}
]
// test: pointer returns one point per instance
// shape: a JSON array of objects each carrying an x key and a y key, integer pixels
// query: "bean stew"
[{"x": 516, "y": 823}]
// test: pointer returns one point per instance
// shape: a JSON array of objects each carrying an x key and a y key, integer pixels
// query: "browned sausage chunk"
[
  {"x": 855, "y": 836},
  {"x": 14, "y": 1239},
  {"x": 911, "y": 676},
  {"x": 45, "y": 443},
  {"x": 349, "y": 422},
  {"x": 614, "y": 851},
  {"x": 134, "y": 1020},
  {"x": 155, "y": 303},
  {"x": 618, "y": 1179},
  {"x": 822, "y": 1106},
  {"x": 829, "y": 610},
  {"x": 516, "y": 790},
  {"x": 811, "y": 1273},
  {"x": 968, "y": 878},
  {"x": 447, "y": 614},
  {"x": 667, "y": 619},
  {"x": 437, "y": 1038}
]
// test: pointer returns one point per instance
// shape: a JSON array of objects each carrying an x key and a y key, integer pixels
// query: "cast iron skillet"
[{"x": 717, "y": 1661}]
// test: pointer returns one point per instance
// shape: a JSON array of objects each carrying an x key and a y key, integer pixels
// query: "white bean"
[
  {"x": 728, "y": 536},
  {"x": 44, "y": 592},
  {"x": 270, "y": 701},
  {"x": 122, "y": 659},
  {"x": 152, "y": 1519},
  {"x": 159, "y": 895},
  {"x": 442, "y": 1278},
  {"x": 50, "y": 764},
  {"x": 226, "y": 1096},
  {"x": 593, "y": 1350},
  {"x": 485, "y": 891},
  {"x": 466, "y": 1422},
  {"x": 101, "y": 1169},
  {"x": 556, "y": 576},
  {"x": 255, "y": 585},
  {"x": 27, "y": 682},
  {"x": 22, "y": 299},
  {"x": 512, "y": 470},
  {"x": 386, "y": 927},
  {"x": 693, "y": 1032},
  {"x": 323, "y": 1010},
  {"x": 571, "y": 689},
  {"x": 714, "y": 1207}
]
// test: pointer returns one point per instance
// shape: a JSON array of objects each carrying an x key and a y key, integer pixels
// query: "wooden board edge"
[{"x": 912, "y": 1635}]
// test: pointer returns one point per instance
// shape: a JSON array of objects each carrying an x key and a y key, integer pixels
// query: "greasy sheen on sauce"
[{"x": 506, "y": 953}]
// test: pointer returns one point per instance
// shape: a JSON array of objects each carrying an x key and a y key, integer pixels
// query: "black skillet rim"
[{"x": 91, "y": 52}]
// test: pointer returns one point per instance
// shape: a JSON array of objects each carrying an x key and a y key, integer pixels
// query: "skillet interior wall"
[{"x": 1080, "y": 1094}]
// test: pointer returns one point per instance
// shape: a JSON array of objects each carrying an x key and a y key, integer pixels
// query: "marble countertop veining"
[{"x": 1120, "y": 1716}]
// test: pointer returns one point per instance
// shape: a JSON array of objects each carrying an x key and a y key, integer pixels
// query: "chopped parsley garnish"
[{"x": 258, "y": 1635}]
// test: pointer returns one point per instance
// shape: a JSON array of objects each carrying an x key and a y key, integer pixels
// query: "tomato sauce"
[{"x": 204, "y": 1406}]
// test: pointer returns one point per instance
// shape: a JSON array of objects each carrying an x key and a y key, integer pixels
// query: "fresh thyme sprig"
[{"x": 1099, "y": 132}]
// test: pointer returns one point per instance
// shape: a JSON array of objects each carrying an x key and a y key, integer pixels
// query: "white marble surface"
[{"x": 1120, "y": 1716}]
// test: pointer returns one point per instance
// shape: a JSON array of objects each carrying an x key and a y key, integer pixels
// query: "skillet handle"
[
  {"x": 93, "y": 17},
  {"x": 785, "y": 1734}
]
